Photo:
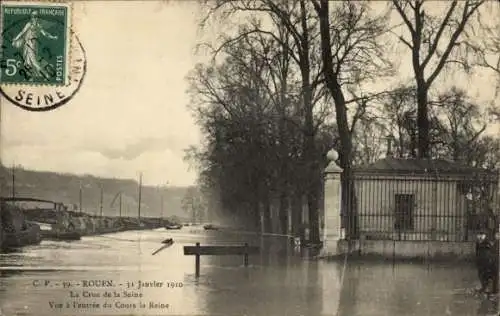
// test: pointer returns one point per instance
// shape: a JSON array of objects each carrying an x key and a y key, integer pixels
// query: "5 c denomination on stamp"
[{"x": 42, "y": 62}]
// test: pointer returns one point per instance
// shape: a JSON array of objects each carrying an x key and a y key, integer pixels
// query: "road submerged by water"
[{"x": 117, "y": 274}]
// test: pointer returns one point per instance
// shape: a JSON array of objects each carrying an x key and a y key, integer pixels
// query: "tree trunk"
[
  {"x": 257, "y": 218},
  {"x": 423, "y": 123},
  {"x": 313, "y": 204},
  {"x": 310, "y": 153},
  {"x": 283, "y": 212},
  {"x": 268, "y": 227},
  {"x": 297, "y": 230},
  {"x": 335, "y": 90},
  {"x": 349, "y": 216},
  {"x": 313, "y": 200}
]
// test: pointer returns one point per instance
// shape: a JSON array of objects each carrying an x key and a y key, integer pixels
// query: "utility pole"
[
  {"x": 120, "y": 205},
  {"x": 13, "y": 180},
  {"x": 161, "y": 205},
  {"x": 193, "y": 211},
  {"x": 162, "y": 198},
  {"x": 80, "y": 198},
  {"x": 102, "y": 193},
  {"x": 140, "y": 196},
  {"x": 160, "y": 192}
]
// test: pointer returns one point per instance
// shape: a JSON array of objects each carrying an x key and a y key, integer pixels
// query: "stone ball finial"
[
  {"x": 332, "y": 155},
  {"x": 332, "y": 167}
]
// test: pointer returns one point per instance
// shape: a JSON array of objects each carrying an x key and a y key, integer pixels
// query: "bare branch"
[
  {"x": 439, "y": 33},
  {"x": 406, "y": 20},
  {"x": 453, "y": 39},
  {"x": 405, "y": 42},
  {"x": 370, "y": 96}
]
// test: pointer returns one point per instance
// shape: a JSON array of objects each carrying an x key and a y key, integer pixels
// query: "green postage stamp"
[
  {"x": 35, "y": 43},
  {"x": 42, "y": 61}
]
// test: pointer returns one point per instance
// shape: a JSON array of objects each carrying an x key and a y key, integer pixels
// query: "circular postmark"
[{"x": 42, "y": 61}]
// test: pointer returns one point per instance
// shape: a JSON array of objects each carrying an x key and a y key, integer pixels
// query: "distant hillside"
[{"x": 65, "y": 188}]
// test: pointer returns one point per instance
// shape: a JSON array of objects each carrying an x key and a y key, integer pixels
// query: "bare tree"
[
  {"x": 194, "y": 205},
  {"x": 484, "y": 153},
  {"x": 233, "y": 105},
  {"x": 463, "y": 123},
  {"x": 435, "y": 43},
  {"x": 330, "y": 59},
  {"x": 487, "y": 50},
  {"x": 490, "y": 57},
  {"x": 291, "y": 25},
  {"x": 352, "y": 52},
  {"x": 399, "y": 114},
  {"x": 368, "y": 145},
  {"x": 487, "y": 43}
]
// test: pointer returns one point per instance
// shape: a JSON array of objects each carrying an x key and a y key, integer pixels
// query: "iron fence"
[{"x": 420, "y": 207}]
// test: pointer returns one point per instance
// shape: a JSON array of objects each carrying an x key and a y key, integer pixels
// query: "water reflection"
[
  {"x": 284, "y": 285},
  {"x": 406, "y": 289}
]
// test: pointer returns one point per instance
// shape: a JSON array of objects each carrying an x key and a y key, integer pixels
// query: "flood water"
[{"x": 52, "y": 278}]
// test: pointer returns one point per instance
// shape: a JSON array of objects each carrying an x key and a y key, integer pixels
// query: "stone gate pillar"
[{"x": 332, "y": 205}]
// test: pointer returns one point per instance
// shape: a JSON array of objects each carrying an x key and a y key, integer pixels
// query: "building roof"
[{"x": 419, "y": 166}]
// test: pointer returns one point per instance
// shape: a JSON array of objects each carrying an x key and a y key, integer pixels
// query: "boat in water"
[
  {"x": 166, "y": 243},
  {"x": 210, "y": 227},
  {"x": 173, "y": 226},
  {"x": 48, "y": 232},
  {"x": 60, "y": 235}
]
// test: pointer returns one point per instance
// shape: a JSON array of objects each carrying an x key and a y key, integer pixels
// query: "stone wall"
[
  {"x": 401, "y": 250},
  {"x": 83, "y": 223},
  {"x": 15, "y": 229},
  {"x": 12, "y": 219},
  {"x": 88, "y": 225}
]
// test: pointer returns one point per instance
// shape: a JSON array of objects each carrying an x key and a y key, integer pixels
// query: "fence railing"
[{"x": 421, "y": 207}]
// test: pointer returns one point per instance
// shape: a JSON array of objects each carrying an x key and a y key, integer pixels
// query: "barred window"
[{"x": 404, "y": 211}]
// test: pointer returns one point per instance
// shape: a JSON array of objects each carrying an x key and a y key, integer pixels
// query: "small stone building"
[
  {"x": 410, "y": 208},
  {"x": 422, "y": 199}
]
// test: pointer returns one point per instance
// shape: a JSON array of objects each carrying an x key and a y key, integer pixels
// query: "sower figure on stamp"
[{"x": 28, "y": 41}]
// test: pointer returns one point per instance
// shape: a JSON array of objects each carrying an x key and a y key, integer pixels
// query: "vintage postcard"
[{"x": 235, "y": 157}]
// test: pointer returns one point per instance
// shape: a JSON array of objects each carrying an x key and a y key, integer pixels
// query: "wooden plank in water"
[
  {"x": 220, "y": 250},
  {"x": 162, "y": 247}
]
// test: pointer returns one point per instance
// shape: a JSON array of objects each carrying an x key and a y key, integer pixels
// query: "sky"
[{"x": 130, "y": 115}]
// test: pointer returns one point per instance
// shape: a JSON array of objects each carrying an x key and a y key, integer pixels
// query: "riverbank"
[
  {"x": 21, "y": 227},
  {"x": 87, "y": 224}
]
